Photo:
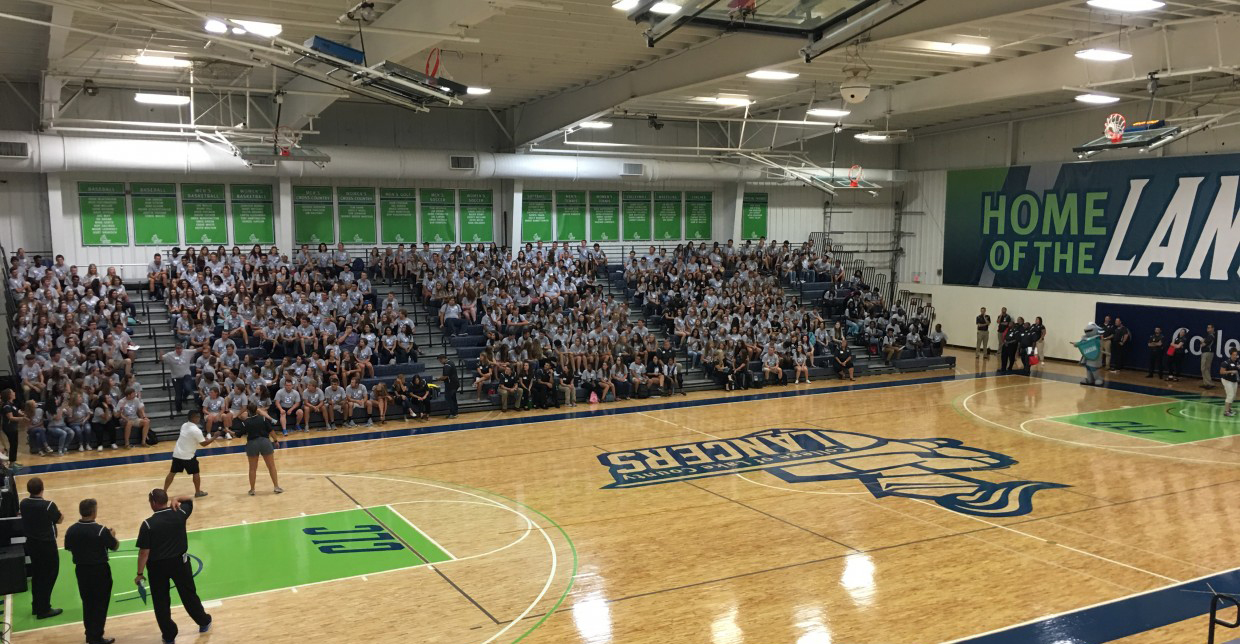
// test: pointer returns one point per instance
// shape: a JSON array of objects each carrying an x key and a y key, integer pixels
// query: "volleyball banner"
[{"x": 1163, "y": 227}]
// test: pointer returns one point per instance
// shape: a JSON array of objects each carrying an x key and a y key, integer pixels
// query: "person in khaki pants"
[
  {"x": 1208, "y": 342},
  {"x": 983, "y": 335},
  {"x": 509, "y": 388}
]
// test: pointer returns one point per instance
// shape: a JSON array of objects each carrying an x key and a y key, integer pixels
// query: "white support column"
[
  {"x": 737, "y": 209},
  {"x": 284, "y": 216},
  {"x": 63, "y": 229},
  {"x": 518, "y": 190}
]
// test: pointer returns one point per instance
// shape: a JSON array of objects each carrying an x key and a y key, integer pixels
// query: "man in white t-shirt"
[{"x": 184, "y": 455}]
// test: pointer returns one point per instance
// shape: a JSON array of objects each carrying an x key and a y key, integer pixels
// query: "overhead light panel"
[
  {"x": 827, "y": 112},
  {"x": 478, "y": 91},
  {"x": 216, "y": 26},
  {"x": 596, "y": 125},
  {"x": 771, "y": 74},
  {"x": 665, "y": 8},
  {"x": 871, "y": 136},
  {"x": 624, "y": 5},
  {"x": 1126, "y": 6},
  {"x": 962, "y": 48},
  {"x": 160, "y": 99},
  {"x": 729, "y": 101},
  {"x": 161, "y": 61},
  {"x": 264, "y": 29},
  {"x": 1103, "y": 55},
  {"x": 1097, "y": 99}
]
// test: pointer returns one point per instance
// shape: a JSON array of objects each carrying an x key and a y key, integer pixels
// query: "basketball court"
[{"x": 930, "y": 509}]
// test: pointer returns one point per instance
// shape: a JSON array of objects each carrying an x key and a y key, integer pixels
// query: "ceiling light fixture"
[
  {"x": 596, "y": 125},
  {"x": 1103, "y": 55},
  {"x": 478, "y": 91},
  {"x": 665, "y": 8},
  {"x": 1126, "y": 6},
  {"x": 216, "y": 26},
  {"x": 827, "y": 112},
  {"x": 264, "y": 29},
  {"x": 160, "y": 99},
  {"x": 161, "y": 61},
  {"x": 624, "y": 5},
  {"x": 1097, "y": 99},
  {"x": 729, "y": 101},
  {"x": 962, "y": 48},
  {"x": 870, "y": 136},
  {"x": 771, "y": 74}
]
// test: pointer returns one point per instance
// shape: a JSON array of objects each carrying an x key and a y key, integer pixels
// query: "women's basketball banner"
[{"x": 1157, "y": 227}]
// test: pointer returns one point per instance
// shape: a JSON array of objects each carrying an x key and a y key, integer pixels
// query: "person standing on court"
[
  {"x": 1120, "y": 339},
  {"x": 1208, "y": 342},
  {"x": 1158, "y": 353},
  {"x": 178, "y": 363},
  {"x": 1229, "y": 373},
  {"x": 983, "y": 335},
  {"x": 39, "y": 520},
  {"x": 260, "y": 440},
  {"x": 1108, "y": 332},
  {"x": 89, "y": 543},
  {"x": 185, "y": 452},
  {"x": 163, "y": 547},
  {"x": 1003, "y": 323},
  {"x": 451, "y": 383},
  {"x": 10, "y": 419}
]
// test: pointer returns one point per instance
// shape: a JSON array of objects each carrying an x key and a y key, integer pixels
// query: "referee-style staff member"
[
  {"x": 39, "y": 520},
  {"x": 90, "y": 542},
  {"x": 162, "y": 546}
]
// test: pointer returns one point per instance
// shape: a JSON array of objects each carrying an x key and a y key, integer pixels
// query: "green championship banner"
[
  {"x": 637, "y": 215},
  {"x": 570, "y": 215},
  {"x": 253, "y": 214},
  {"x": 667, "y": 216},
  {"x": 154, "y": 214},
  {"x": 356, "y": 211},
  {"x": 202, "y": 206},
  {"x": 753, "y": 215},
  {"x": 536, "y": 215},
  {"x": 605, "y": 216},
  {"x": 398, "y": 215},
  {"x": 438, "y": 215},
  {"x": 1152, "y": 227},
  {"x": 102, "y": 210},
  {"x": 699, "y": 213},
  {"x": 477, "y": 216},
  {"x": 313, "y": 219}
]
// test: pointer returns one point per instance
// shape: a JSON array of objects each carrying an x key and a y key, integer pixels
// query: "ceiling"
[{"x": 541, "y": 55}]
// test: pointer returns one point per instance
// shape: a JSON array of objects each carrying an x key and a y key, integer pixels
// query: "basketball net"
[
  {"x": 1113, "y": 128},
  {"x": 286, "y": 140},
  {"x": 854, "y": 176}
]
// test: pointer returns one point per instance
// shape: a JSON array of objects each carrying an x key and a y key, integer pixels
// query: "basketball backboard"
[
  {"x": 266, "y": 154},
  {"x": 1131, "y": 138}
]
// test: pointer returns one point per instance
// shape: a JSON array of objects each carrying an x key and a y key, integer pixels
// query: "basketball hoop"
[
  {"x": 286, "y": 139},
  {"x": 854, "y": 176},
  {"x": 1114, "y": 128}
]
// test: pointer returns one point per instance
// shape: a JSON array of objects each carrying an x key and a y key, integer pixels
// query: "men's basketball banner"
[
  {"x": 941, "y": 470},
  {"x": 1157, "y": 227}
]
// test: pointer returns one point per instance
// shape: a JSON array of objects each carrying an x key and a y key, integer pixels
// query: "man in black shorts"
[
  {"x": 163, "y": 547},
  {"x": 184, "y": 454}
]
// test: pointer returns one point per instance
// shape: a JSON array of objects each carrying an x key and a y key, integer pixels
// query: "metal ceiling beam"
[
  {"x": 56, "y": 38},
  {"x": 730, "y": 55},
  {"x": 423, "y": 15}
]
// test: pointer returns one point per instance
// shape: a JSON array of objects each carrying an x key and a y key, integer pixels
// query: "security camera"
[
  {"x": 855, "y": 89},
  {"x": 90, "y": 88},
  {"x": 361, "y": 12}
]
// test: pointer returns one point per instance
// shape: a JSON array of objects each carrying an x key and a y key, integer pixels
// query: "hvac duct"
[{"x": 53, "y": 153}]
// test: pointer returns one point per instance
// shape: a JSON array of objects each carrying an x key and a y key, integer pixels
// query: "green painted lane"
[
  {"x": 1176, "y": 423},
  {"x": 258, "y": 557}
]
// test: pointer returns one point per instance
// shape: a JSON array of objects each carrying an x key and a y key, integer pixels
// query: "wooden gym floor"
[{"x": 1039, "y": 497}]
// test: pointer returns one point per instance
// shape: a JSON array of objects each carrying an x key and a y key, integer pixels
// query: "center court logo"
[{"x": 934, "y": 469}]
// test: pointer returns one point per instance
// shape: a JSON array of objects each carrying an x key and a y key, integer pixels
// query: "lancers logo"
[{"x": 935, "y": 469}]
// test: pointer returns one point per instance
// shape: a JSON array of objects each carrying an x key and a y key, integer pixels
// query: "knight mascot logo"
[{"x": 934, "y": 469}]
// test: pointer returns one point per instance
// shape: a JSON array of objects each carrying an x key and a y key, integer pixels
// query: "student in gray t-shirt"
[
  {"x": 132, "y": 413},
  {"x": 288, "y": 403}
]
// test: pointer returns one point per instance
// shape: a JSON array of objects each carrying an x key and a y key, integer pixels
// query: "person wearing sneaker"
[
  {"x": 1209, "y": 340},
  {"x": 288, "y": 405},
  {"x": 184, "y": 453},
  {"x": 357, "y": 397},
  {"x": 313, "y": 400},
  {"x": 39, "y": 518},
  {"x": 336, "y": 397},
  {"x": 163, "y": 551},
  {"x": 260, "y": 440},
  {"x": 1228, "y": 372}
]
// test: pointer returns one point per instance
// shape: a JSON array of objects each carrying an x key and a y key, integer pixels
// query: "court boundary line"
[
  {"x": 301, "y": 443},
  {"x": 420, "y": 531}
]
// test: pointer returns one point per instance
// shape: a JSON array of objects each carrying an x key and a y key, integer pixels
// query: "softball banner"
[{"x": 1157, "y": 227}]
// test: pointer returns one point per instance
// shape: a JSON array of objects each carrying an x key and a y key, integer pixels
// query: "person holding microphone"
[
  {"x": 89, "y": 543},
  {"x": 162, "y": 549}
]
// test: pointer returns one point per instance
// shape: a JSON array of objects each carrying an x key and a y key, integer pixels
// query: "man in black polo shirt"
[
  {"x": 450, "y": 384},
  {"x": 10, "y": 418},
  {"x": 90, "y": 542},
  {"x": 983, "y": 335},
  {"x": 162, "y": 546},
  {"x": 1120, "y": 338},
  {"x": 39, "y": 519}
]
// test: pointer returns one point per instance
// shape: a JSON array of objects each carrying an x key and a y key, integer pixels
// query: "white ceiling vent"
[
  {"x": 463, "y": 162},
  {"x": 633, "y": 170}
]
